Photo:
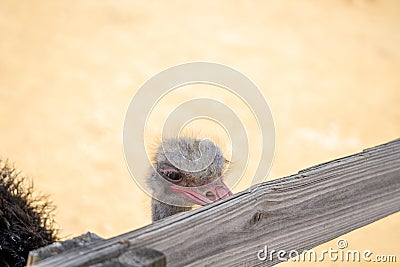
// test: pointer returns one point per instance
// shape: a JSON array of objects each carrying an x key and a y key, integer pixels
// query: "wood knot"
[
  {"x": 257, "y": 217},
  {"x": 125, "y": 242}
]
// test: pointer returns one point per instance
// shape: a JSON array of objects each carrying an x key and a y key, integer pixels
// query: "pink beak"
[{"x": 205, "y": 194}]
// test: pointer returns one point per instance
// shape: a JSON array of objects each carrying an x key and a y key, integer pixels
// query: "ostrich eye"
[
  {"x": 170, "y": 173},
  {"x": 173, "y": 176}
]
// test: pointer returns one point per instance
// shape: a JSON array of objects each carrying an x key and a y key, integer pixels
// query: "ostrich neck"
[{"x": 160, "y": 210}]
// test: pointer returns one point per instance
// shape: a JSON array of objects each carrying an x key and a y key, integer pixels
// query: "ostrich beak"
[{"x": 205, "y": 194}]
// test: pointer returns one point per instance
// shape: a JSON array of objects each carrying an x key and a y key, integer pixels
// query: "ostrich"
[
  {"x": 186, "y": 172},
  {"x": 26, "y": 219}
]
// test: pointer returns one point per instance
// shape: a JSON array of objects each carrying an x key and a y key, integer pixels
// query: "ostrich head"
[{"x": 186, "y": 172}]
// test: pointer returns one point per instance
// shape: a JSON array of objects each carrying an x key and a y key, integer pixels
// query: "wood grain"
[{"x": 297, "y": 212}]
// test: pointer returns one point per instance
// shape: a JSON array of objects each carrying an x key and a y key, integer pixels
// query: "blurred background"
[{"x": 68, "y": 69}]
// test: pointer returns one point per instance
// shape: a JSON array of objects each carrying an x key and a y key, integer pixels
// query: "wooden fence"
[{"x": 297, "y": 212}]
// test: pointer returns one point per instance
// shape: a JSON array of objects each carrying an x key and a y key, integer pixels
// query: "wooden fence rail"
[{"x": 297, "y": 212}]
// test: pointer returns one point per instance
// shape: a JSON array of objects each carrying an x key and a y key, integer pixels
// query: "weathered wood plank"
[
  {"x": 40, "y": 254},
  {"x": 137, "y": 257},
  {"x": 297, "y": 212}
]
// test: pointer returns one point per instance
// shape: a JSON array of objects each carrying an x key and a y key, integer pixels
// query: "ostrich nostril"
[{"x": 210, "y": 195}]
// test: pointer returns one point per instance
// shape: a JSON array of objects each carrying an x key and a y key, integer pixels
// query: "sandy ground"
[{"x": 68, "y": 69}]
